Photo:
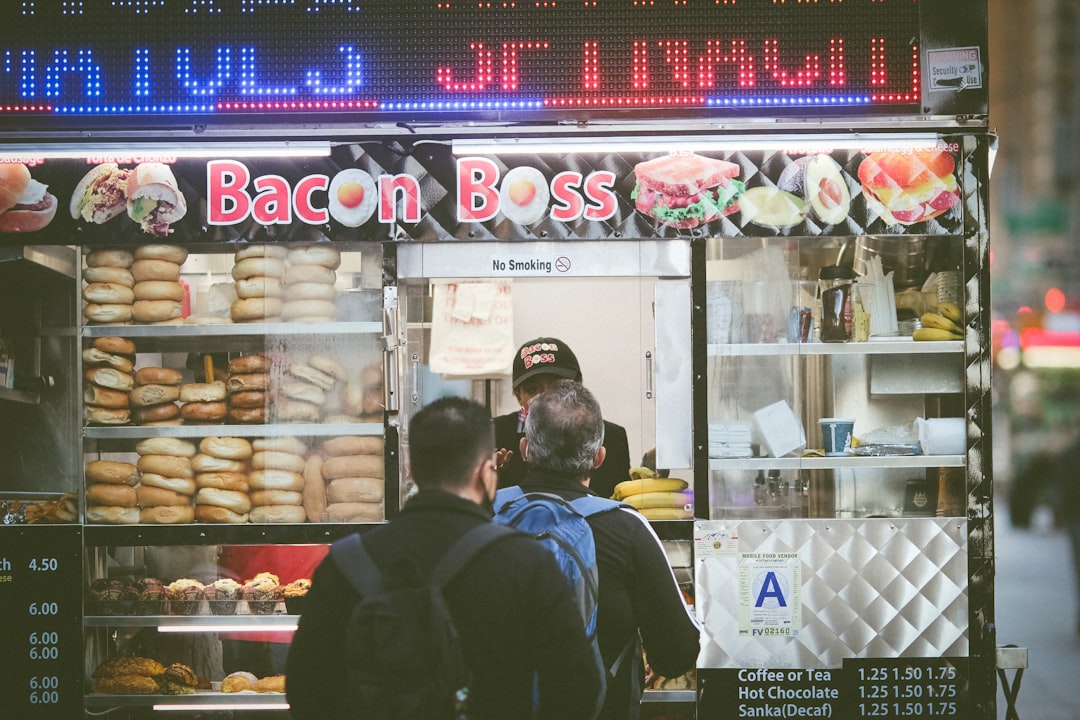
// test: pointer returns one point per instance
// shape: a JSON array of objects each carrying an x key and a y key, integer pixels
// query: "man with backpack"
[
  {"x": 638, "y": 595},
  {"x": 432, "y": 629}
]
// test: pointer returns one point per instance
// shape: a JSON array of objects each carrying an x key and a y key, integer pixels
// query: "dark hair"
[
  {"x": 447, "y": 439},
  {"x": 565, "y": 429}
]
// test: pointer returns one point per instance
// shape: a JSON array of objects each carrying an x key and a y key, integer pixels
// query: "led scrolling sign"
[{"x": 198, "y": 57}]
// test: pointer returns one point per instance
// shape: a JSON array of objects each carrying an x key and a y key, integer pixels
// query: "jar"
[{"x": 834, "y": 285}]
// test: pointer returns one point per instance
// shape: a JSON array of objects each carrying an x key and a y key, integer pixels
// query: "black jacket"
[
  {"x": 614, "y": 470},
  {"x": 512, "y": 608},
  {"x": 638, "y": 591}
]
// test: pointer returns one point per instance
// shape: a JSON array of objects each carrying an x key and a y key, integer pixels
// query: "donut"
[
  {"x": 308, "y": 273},
  {"x": 143, "y": 270},
  {"x": 107, "y": 274},
  {"x": 311, "y": 375},
  {"x": 309, "y": 291},
  {"x": 105, "y": 398},
  {"x": 276, "y": 480},
  {"x": 106, "y": 416},
  {"x": 158, "y": 290},
  {"x": 254, "y": 251},
  {"x": 172, "y": 466},
  {"x": 114, "y": 345},
  {"x": 242, "y": 382},
  {"x": 278, "y": 514},
  {"x": 354, "y": 512},
  {"x": 259, "y": 286},
  {"x": 330, "y": 366},
  {"x": 156, "y": 311},
  {"x": 177, "y": 447},
  {"x": 229, "y": 448},
  {"x": 249, "y": 364},
  {"x": 202, "y": 392},
  {"x": 111, "y": 471},
  {"x": 154, "y": 414},
  {"x": 112, "y": 515},
  {"x": 108, "y": 293},
  {"x": 152, "y": 496},
  {"x": 146, "y": 395},
  {"x": 248, "y": 399},
  {"x": 233, "y": 500},
  {"x": 275, "y": 497},
  {"x": 321, "y": 254},
  {"x": 353, "y": 445},
  {"x": 167, "y": 515},
  {"x": 275, "y": 460},
  {"x": 111, "y": 494},
  {"x": 203, "y": 463},
  {"x": 158, "y": 376},
  {"x": 255, "y": 309},
  {"x": 250, "y": 267},
  {"x": 180, "y": 485},
  {"x": 283, "y": 443},
  {"x": 217, "y": 514},
  {"x": 248, "y": 416},
  {"x": 351, "y": 466},
  {"x": 357, "y": 489},
  {"x": 158, "y": 251},
  {"x": 109, "y": 258},
  {"x": 313, "y": 310},
  {"x": 203, "y": 411},
  {"x": 223, "y": 480},
  {"x": 108, "y": 313}
]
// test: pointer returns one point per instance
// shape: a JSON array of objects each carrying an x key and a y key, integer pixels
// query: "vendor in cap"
[{"x": 537, "y": 365}]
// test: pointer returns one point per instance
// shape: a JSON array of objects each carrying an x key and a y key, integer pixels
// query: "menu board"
[
  {"x": 880, "y": 688},
  {"x": 41, "y": 632}
]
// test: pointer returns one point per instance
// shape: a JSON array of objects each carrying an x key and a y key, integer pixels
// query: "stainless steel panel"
[
  {"x": 877, "y": 588},
  {"x": 673, "y": 373}
]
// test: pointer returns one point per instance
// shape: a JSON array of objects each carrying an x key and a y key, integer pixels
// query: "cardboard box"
[{"x": 778, "y": 430}]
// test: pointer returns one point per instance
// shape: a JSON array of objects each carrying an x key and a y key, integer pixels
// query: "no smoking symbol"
[{"x": 562, "y": 264}]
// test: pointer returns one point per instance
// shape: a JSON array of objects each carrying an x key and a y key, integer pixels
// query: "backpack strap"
[
  {"x": 505, "y": 496},
  {"x": 467, "y": 548},
  {"x": 590, "y": 505},
  {"x": 356, "y": 565}
]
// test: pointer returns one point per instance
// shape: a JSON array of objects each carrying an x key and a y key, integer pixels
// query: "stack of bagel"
[
  {"x": 277, "y": 481},
  {"x": 310, "y": 277},
  {"x": 111, "y": 498},
  {"x": 221, "y": 480},
  {"x": 247, "y": 387},
  {"x": 109, "y": 378},
  {"x": 155, "y": 395},
  {"x": 108, "y": 291},
  {"x": 257, "y": 275},
  {"x": 167, "y": 483},
  {"x": 158, "y": 293},
  {"x": 345, "y": 480}
]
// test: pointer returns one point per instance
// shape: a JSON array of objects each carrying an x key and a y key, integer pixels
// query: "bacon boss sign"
[{"x": 430, "y": 58}]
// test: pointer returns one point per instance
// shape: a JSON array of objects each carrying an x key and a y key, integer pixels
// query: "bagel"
[
  {"x": 275, "y": 460},
  {"x": 107, "y": 274},
  {"x": 303, "y": 390},
  {"x": 217, "y": 514},
  {"x": 110, "y": 378},
  {"x": 259, "y": 286},
  {"x": 223, "y": 480},
  {"x": 249, "y": 364},
  {"x": 171, "y": 422},
  {"x": 354, "y": 512},
  {"x": 172, "y": 466},
  {"x": 283, "y": 443},
  {"x": 108, "y": 293},
  {"x": 311, "y": 375},
  {"x": 114, "y": 345},
  {"x": 156, "y": 311},
  {"x": 357, "y": 489},
  {"x": 248, "y": 399},
  {"x": 199, "y": 412},
  {"x": 179, "y": 485},
  {"x": 353, "y": 445},
  {"x": 308, "y": 310},
  {"x": 167, "y": 515},
  {"x": 242, "y": 382},
  {"x": 154, "y": 414},
  {"x": 277, "y": 514},
  {"x": 157, "y": 251},
  {"x": 330, "y": 366},
  {"x": 203, "y": 463},
  {"x": 203, "y": 392},
  {"x": 176, "y": 447},
  {"x": 233, "y": 500},
  {"x": 115, "y": 494},
  {"x": 255, "y": 309},
  {"x": 229, "y": 448},
  {"x": 146, "y": 395},
  {"x": 351, "y": 466},
  {"x": 109, "y": 258},
  {"x": 111, "y": 471},
  {"x": 275, "y": 497},
  {"x": 248, "y": 416},
  {"x": 321, "y": 254},
  {"x": 308, "y": 273},
  {"x": 250, "y": 267},
  {"x": 106, "y": 399},
  {"x": 276, "y": 480},
  {"x": 105, "y": 314},
  {"x": 143, "y": 270},
  {"x": 258, "y": 251},
  {"x": 106, "y": 416},
  {"x": 314, "y": 492},
  {"x": 92, "y": 357},
  {"x": 112, "y": 515},
  {"x": 158, "y": 376},
  {"x": 289, "y": 410},
  {"x": 299, "y": 292},
  {"x": 152, "y": 496},
  {"x": 158, "y": 290}
]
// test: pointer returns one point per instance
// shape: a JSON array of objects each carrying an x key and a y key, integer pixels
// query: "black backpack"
[{"x": 403, "y": 653}]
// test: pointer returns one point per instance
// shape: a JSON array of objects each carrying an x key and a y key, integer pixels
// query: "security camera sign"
[
  {"x": 954, "y": 68},
  {"x": 770, "y": 603}
]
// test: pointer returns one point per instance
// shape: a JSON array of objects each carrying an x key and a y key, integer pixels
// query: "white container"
[{"x": 942, "y": 436}]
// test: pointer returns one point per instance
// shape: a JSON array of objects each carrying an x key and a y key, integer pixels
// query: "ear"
[
  {"x": 523, "y": 446},
  {"x": 600, "y": 455}
]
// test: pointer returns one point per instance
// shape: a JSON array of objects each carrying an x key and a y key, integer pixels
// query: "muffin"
[
  {"x": 222, "y": 596},
  {"x": 262, "y": 593},
  {"x": 112, "y": 596},
  {"x": 149, "y": 596},
  {"x": 294, "y": 594},
  {"x": 184, "y": 596}
]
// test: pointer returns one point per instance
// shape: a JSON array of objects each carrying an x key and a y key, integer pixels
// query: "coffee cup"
[{"x": 836, "y": 436}]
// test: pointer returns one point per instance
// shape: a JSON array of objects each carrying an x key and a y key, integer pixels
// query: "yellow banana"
[
  {"x": 655, "y": 513},
  {"x": 934, "y": 320},
  {"x": 677, "y": 499},
  {"x": 628, "y": 488},
  {"x": 933, "y": 333},
  {"x": 952, "y": 311},
  {"x": 641, "y": 472}
]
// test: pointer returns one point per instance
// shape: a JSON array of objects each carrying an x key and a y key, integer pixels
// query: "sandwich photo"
[
  {"x": 685, "y": 191},
  {"x": 154, "y": 199},
  {"x": 26, "y": 205},
  {"x": 909, "y": 187},
  {"x": 101, "y": 195}
]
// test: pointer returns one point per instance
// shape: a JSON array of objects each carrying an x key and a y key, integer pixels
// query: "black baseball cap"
[{"x": 545, "y": 356}]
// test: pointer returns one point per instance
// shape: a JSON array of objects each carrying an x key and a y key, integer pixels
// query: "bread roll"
[
  {"x": 112, "y": 515},
  {"x": 203, "y": 412},
  {"x": 113, "y": 275},
  {"x": 180, "y": 485},
  {"x": 243, "y": 382},
  {"x": 249, "y": 364},
  {"x": 151, "y": 414},
  {"x": 259, "y": 286},
  {"x": 108, "y": 314},
  {"x": 152, "y": 496},
  {"x": 104, "y": 398},
  {"x": 178, "y": 447},
  {"x": 203, "y": 463},
  {"x": 283, "y": 443},
  {"x": 92, "y": 357},
  {"x": 144, "y": 270},
  {"x": 114, "y": 345},
  {"x": 311, "y": 375},
  {"x": 252, "y": 251},
  {"x": 157, "y": 251},
  {"x": 146, "y": 395},
  {"x": 234, "y": 500},
  {"x": 275, "y": 460},
  {"x": 155, "y": 311},
  {"x": 354, "y": 512},
  {"x": 106, "y": 416},
  {"x": 273, "y": 683},
  {"x": 108, "y": 294},
  {"x": 167, "y": 515},
  {"x": 248, "y": 399},
  {"x": 277, "y": 514},
  {"x": 275, "y": 497},
  {"x": 229, "y": 448},
  {"x": 112, "y": 472},
  {"x": 353, "y": 445},
  {"x": 238, "y": 682},
  {"x": 217, "y": 514},
  {"x": 276, "y": 480},
  {"x": 203, "y": 392},
  {"x": 158, "y": 376},
  {"x": 321, "y": 254},
  {"x": 111, "y": 494},
  {"x": 170, "y": 466},
  {"x": 351, "y": 466},
  {"x": 223, "y": 480},
  {"x": 158, "y": 290},
  {"x": 314, "y": 493},
  {"x": 109, "y": 258},
  {"x": 250, "y": 267},
  {"x": 247, "y": 416},
  {"x": 289, "y": 410},
  {"x": 317, "y": 292},
  {"x": 356, "y": 489},
  {"x": 308, "y": 273},
  {"x": 330, "y": 366},
  {"x": 308, "y": 311},
  {"x": 302, "y": 390}
]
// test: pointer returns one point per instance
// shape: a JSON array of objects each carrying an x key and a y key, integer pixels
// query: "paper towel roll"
[{"x": 942, "y": 436}]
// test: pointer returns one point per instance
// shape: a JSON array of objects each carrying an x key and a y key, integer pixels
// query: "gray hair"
[{"x": 565, "y": 429}]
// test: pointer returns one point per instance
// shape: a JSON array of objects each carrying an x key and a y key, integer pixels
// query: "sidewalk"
[{"x": 1036, "y": 608}]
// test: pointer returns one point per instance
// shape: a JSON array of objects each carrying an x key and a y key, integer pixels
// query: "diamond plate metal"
[{"x": 880, "y": 587}]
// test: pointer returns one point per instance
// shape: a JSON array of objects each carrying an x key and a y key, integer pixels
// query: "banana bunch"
[
  {"x": 941, "y": 325},
  {"x": 662, "y": 499},
  {"x": 641, "y": 485},
  {"x": 656, "y": 498}
]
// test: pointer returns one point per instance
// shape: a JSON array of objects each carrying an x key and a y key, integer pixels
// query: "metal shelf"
[
  {"x": 138, "y": 432},
  {"x": 210, "y": 534},
  {"x": 200, "y": 700},
  {"x": 838, "y": 463},
  {"x": 20, "y": 396},
  {"x": 874, "y": 347},
  {"x": 195, "y": 622},
  {"x": 235, "y": 337}
]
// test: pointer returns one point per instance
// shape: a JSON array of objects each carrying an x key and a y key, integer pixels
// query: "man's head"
[
  {"x": 541, "y": 362},
  {"x": 452, "y": 446},
  {"x": 564, "y": 431}
]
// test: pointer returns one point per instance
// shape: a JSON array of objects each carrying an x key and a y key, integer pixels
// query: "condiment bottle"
[{"x": 834, "y": 283}]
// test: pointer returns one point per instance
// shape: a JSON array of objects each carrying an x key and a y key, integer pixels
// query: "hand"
[{"x": 502, "y": 456}]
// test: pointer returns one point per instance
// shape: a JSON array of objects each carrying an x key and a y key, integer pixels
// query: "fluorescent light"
[
  {"x": 187, "y": 707},
  {"x": 26, "y": 152},
  {"x": 790, "y": 143},
  {"x": 224, "y": 627}
]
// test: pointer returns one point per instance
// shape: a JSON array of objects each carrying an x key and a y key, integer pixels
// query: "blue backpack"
[{"x": 562, "y": 527}]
